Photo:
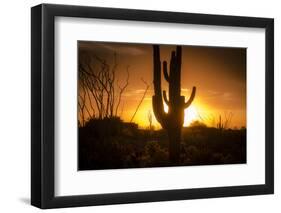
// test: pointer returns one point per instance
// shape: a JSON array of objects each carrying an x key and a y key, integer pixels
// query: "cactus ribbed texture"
[{"x": 172, "y": 121}]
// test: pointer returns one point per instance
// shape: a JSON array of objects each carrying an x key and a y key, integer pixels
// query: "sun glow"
[{"x": 190, "y": 114}]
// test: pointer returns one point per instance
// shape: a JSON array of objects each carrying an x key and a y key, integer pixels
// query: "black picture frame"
[{"x": 43, "y": 117}]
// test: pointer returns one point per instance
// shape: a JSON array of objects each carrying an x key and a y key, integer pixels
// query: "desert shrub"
[
  {"x": 197, "y": 124},
  {"x": 154, "y": 154},
  {"x": 112, "y": 143}
]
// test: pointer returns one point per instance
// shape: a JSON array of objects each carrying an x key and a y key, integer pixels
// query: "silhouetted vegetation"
[
  {"x": 110, "y": 143},
  {"x": 172, "y": 121},
  {"x": 100, "y": 93}
]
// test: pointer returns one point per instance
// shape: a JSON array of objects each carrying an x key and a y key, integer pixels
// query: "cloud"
[
  {"x": 139, "y": 91},
  {"x": 184, "y": 89},
  {"x": 119, "y": 48},
  {"x": 123, "y": 49},
  {"x": 212, "y": 94},
  {"x": 227, "y": 96}
]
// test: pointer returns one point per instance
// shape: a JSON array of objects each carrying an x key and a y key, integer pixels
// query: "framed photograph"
[{"x": 139, "y": 106}]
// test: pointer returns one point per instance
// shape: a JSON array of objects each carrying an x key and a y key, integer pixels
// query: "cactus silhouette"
[{"x": 173, "y": 120}]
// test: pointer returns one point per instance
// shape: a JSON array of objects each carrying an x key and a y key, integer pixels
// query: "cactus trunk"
[
  {"x": 172, "y": 121},
  {"x": 174, "y": 135}
]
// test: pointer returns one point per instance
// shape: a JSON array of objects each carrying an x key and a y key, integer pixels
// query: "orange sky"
[{"x": 218, "y": 73}]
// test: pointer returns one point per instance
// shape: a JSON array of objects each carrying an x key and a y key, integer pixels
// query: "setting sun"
[{"x": 190, "y": 115}]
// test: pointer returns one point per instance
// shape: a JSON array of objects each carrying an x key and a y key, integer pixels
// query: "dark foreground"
[{"x": 113, "y": 144}]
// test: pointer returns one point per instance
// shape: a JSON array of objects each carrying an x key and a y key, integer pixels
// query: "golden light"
[
  {"x": 166, "y": 108},
  {"x": 190, "y": 115}
]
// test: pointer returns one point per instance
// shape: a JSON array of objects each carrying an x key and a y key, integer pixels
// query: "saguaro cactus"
[{"x": 172, "y": 121}]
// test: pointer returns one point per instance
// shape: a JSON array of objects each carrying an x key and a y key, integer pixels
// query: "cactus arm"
[
  {"x": 165, "y": 71},
  {"x": 187, "y": 104},
  {"x": 157, "y": 102},
  {"x": 158, "y": 109},
  {"x": 165, "y": 97}
]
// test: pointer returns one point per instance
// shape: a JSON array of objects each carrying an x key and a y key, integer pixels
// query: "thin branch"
[
  {"x": 121, "y": 90},
  {"x": 144, "y": 94}
]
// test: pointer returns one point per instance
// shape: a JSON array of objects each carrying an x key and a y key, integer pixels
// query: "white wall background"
[{"x": 15, "y": 106}]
